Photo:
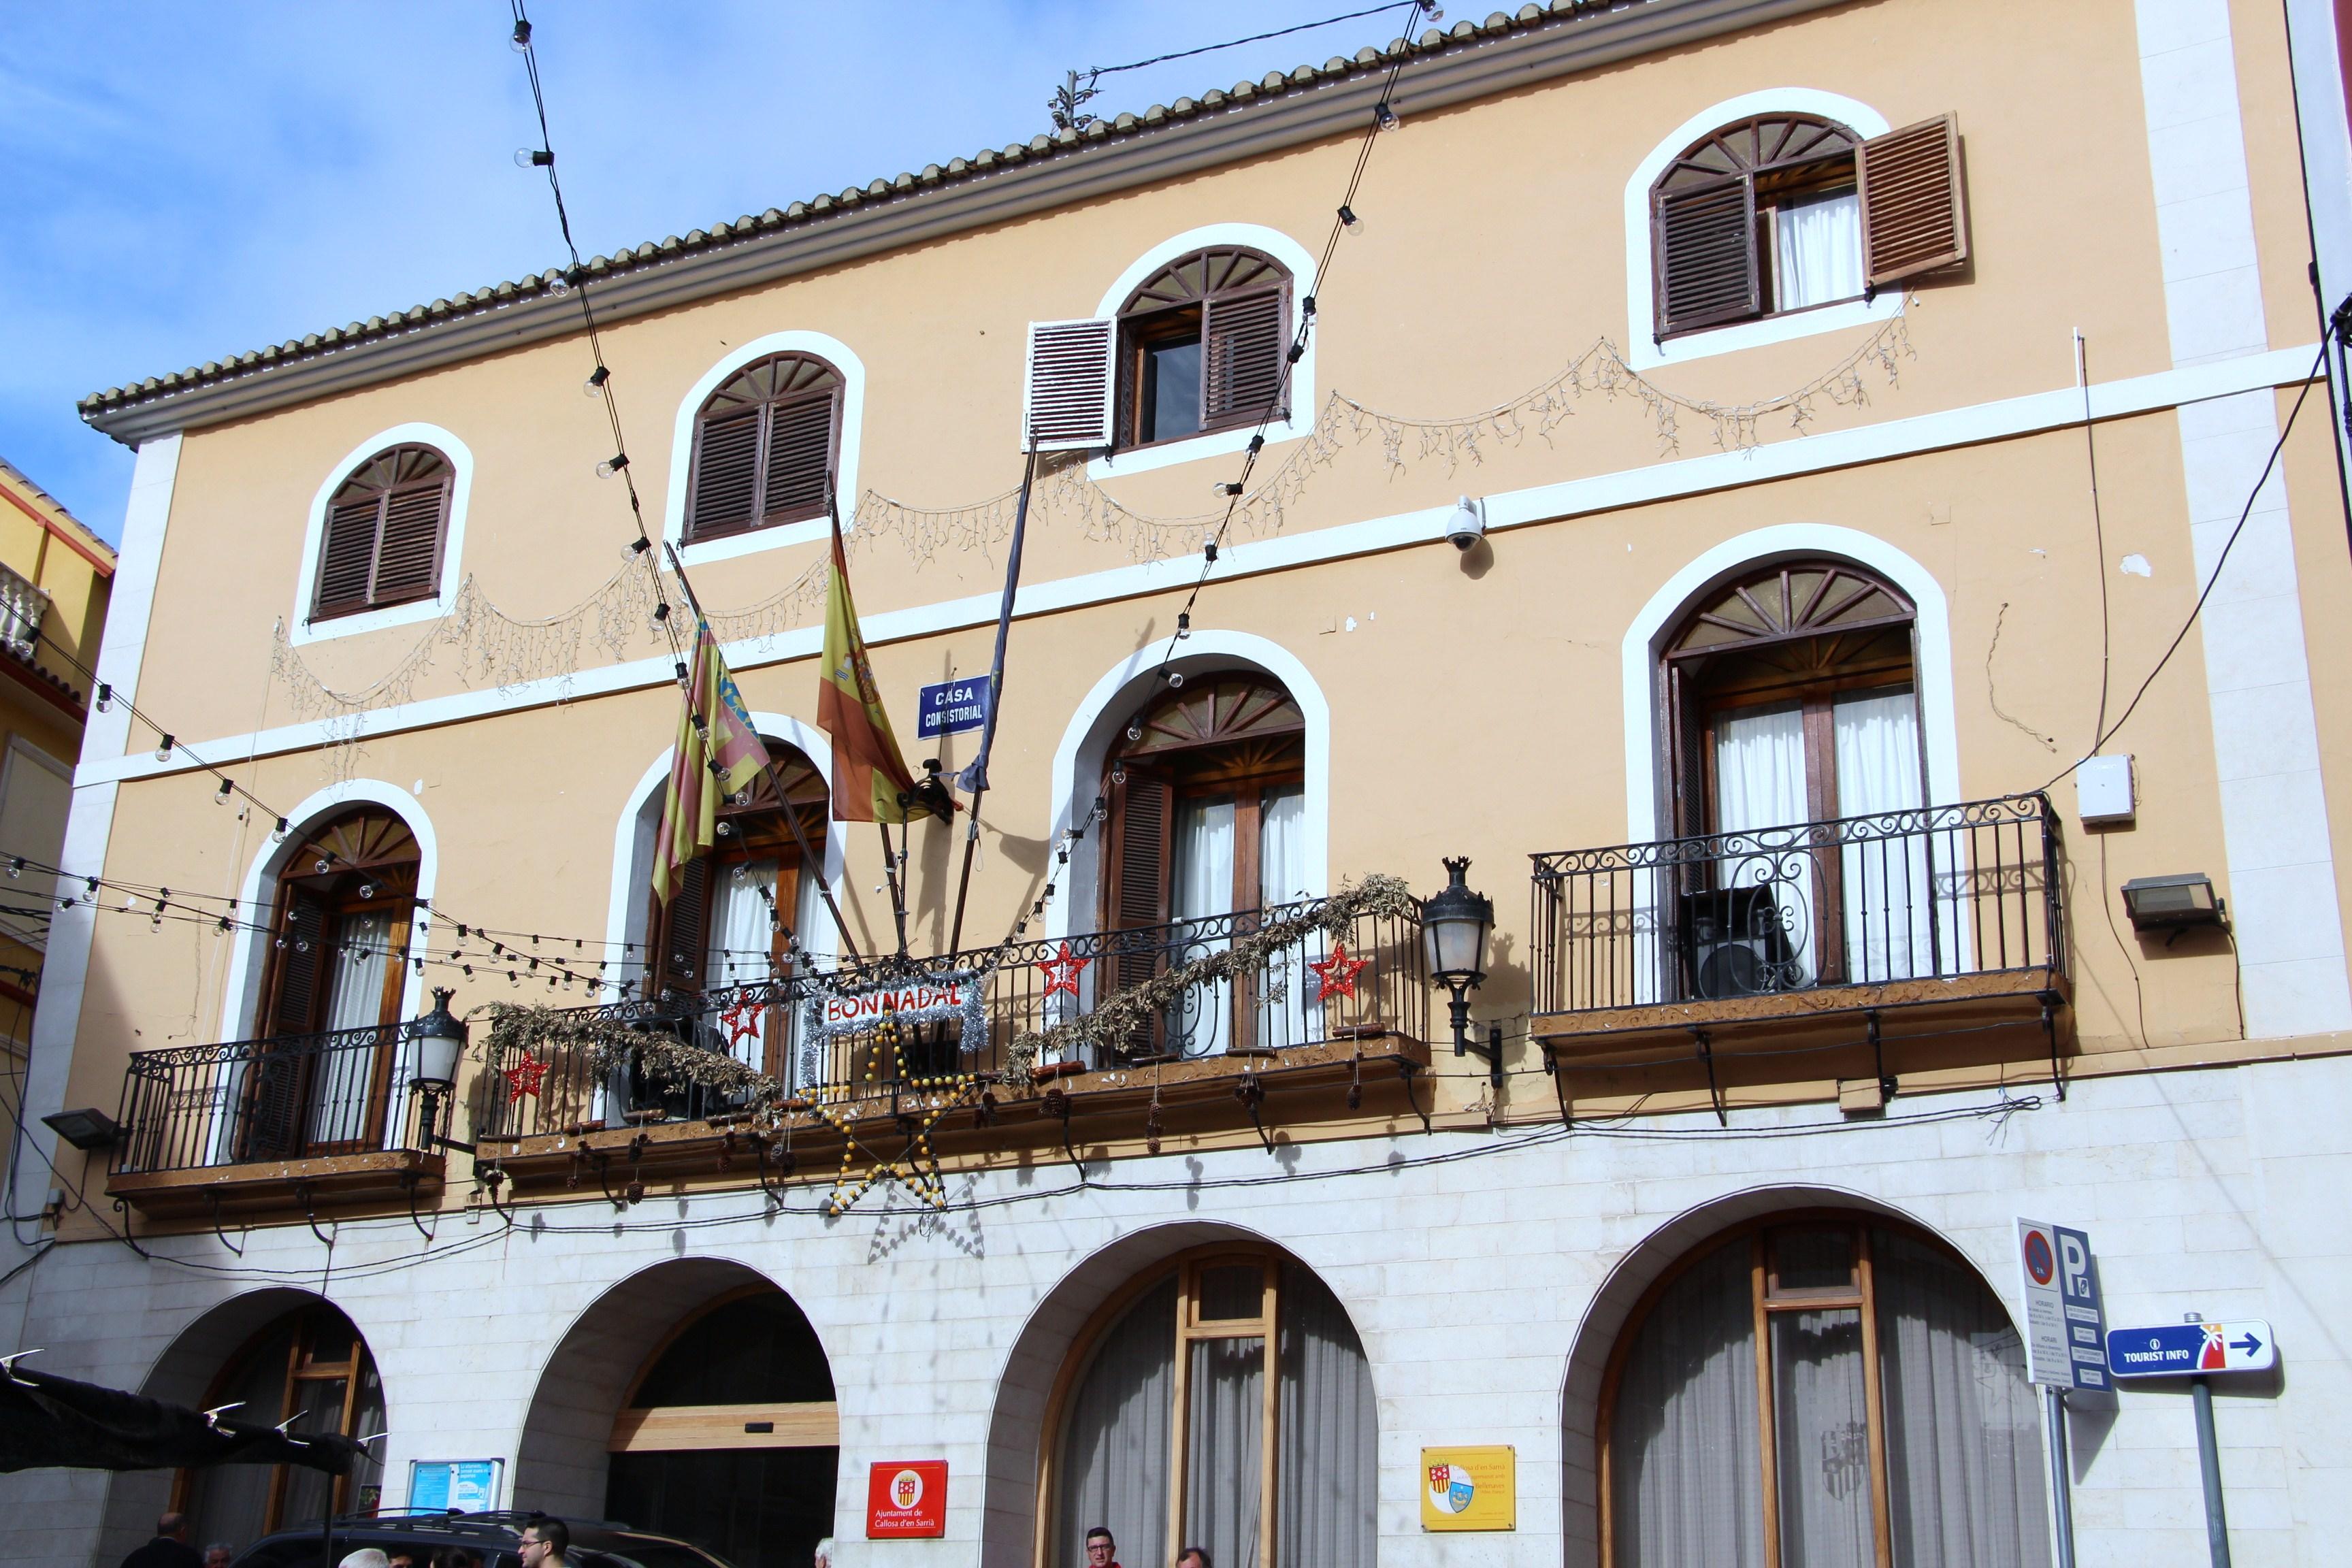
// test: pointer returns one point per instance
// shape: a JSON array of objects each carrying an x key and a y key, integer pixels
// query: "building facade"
[
  {"x": 55, "y": 574},
  {"x": 1716, "y": 465}
]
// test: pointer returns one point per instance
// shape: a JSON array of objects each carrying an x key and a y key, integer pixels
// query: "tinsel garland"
[
  {"x": 607, "y": 1046},
  {"x": 1116, "y": 1019}
]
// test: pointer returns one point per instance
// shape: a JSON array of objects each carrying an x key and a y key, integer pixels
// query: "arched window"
[
  {"x": 730, "y": 1437},
  {"x": 1205, "y": 788},
  {"x": 385, "y": 528},
  {"x": 726, "y": 919},
  {"x": 1822, "y": 1388},
  {"x": 311, "y": 1366},
  {"x": 765, "y": 445},
  {"x": 1792, "y": 702},
  {"x": 1785, "y": 212},
  {"x": 341, "y": 931},
  {"x": 1201, "y": 346},
  {"x": 1171, "y": 1432}
]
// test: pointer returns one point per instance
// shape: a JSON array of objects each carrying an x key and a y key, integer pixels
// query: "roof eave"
[{"x": 1533, "y": 47}]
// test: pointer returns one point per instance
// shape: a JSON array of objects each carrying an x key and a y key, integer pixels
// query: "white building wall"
[{"x": 1471, "y": 1283}]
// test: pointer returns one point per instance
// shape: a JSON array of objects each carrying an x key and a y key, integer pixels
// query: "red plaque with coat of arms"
[{"x": 906, "y": 1499}]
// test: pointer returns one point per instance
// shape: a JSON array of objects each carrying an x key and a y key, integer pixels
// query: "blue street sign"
[
  {"x": 951, "y": 707},
  {"x": 2062, "y": 1318},
  {"x": 2169, "y": 1350}
]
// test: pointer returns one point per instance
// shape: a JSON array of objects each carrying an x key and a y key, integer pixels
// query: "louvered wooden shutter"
[
  {"x": 800, "y": 456},
  {"x": 1136, "y": 898},
  {"x": 1067, "y": 403},
  {"x": 408, "y": 553},
  {"x": 1914, "y": 214},
  {"x": 726, "y": 474},
  {"x": 346, "y": 556},
  {"x": 1244, "y": 346},
  {"x": 1705, "y": 248},
  {"x": 680, "y": 954},
  {"x": 298, "y": 992}
]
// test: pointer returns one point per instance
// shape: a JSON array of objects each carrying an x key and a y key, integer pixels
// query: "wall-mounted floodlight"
[{"x": 2174, "y": 903}]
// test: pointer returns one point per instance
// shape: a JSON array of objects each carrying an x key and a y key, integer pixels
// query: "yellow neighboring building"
[{"x": 54, "y": 576}]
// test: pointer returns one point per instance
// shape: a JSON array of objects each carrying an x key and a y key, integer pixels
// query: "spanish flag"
[
  {"x": 869, "y": 777},
  {"x": 718, "y": 752}
]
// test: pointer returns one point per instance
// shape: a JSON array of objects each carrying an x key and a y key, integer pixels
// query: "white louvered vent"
[{"x": 1066, "y": 404}]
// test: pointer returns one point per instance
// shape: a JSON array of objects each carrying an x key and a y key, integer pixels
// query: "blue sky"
[{"x": 185, "y": 182}]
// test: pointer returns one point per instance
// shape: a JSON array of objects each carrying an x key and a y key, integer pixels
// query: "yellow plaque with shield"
[{"x": 1470, "y": 1489}]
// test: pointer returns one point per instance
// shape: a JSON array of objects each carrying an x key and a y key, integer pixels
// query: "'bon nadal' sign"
[{"x": 943, "y": 996}]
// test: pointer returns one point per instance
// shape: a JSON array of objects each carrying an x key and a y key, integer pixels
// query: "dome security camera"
[{"x": 1467, "y": 525}]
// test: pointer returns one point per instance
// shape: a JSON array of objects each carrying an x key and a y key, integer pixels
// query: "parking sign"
[{"x": 2064, "y": 1329}]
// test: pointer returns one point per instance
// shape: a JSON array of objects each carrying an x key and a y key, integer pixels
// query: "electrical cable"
[{"x": 1435, "y": 12}]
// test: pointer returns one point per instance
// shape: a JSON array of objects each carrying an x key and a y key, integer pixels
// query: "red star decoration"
[
  {"x": 742, "y": 1021},
  {"x": 1337, "y": 975},
  {"x": 1062, "y": 971},
  {"x": 524, "y": 1077}
]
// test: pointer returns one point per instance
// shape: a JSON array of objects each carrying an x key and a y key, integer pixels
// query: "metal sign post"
[
  {"x": 2062, "y": 1323},
  {"x": 2197, "y": 1349}
]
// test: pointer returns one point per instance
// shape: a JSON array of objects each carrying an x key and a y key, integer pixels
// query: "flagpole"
[
  {"x": 975, "y": 777},
  {"x": 776, "y": 777},
  {"x": 891, "y": 870}
]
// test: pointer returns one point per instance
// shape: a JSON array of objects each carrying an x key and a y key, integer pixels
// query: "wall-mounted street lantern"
[
  {"x": 438, "y": 1039},
  {"x": 1454, "y": 926},
  {"x": 2174, "y": 903}
]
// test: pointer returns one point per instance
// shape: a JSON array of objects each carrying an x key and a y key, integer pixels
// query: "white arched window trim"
[
  {"x": 299, "y": 630},
  {"x": 1642, "y": 351},
  {"x": 632, "y": 850},
  {"x": 241, "y": 1003},
  {"x": 1296, "y": 260},
  {"x": 834, "y": 353},
  {"x": 1085, "y": 743},
  {"x": 1645, "y": 745}
]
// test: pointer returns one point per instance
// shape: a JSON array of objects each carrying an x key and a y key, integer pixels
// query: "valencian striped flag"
[
  {"x": 869, "y": 776},
  {"x": 718, "y": 752}
]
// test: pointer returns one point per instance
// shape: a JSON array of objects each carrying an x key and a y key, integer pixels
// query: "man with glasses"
[
  {"x": 544, "y": 1542},
  {"x": 1102, "y": 1552}
]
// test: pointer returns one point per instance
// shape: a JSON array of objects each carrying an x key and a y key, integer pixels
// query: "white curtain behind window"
[
  {"x": 1686, "y": 1475},
  {"x": 1115, "y": 1460},
  {"x": 1821, "y": 1439},
  {"x": 1963, "y": 1451},
  {"x": 1202, "y": 1024},
  {"x": 741, "y": 939},
  {"x": 1820, "y": 249},
  {"x": 1288, "y": 1013},
  {"x": 1223, "y": 1438},
  {"x": 344, "y": 1078},
  {"x": 1884, "y": 885},
  {"x": 1760, "y": 770},
  {"x": 1326, "y": 1475}
]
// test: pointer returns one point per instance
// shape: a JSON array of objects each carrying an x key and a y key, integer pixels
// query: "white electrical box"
[{"x": 2102, "y": 790}]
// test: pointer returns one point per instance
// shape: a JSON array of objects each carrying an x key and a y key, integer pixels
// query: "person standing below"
[
  {"x": 219, "y": 1554},
  {"x": 1102, "y": 1551},
  {"x": 1192, "y": 1557},
  {"x": 544, "y": 1542},
  {"x": 169, "y": 1548}
]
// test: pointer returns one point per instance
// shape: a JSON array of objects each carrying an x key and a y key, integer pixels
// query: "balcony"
[
  {"x": 1277, "y": 1043},
  {"x": 298, "y": 1120},
  {"x": 1804, "y": 952}
]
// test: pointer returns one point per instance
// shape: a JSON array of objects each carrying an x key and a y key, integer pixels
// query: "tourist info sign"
[
  {"x": 2063, "y": 1345},
  {"x": 2168, "y": 1350}
]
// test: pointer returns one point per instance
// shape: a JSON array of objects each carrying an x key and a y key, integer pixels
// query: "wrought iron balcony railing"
[
  {"x": 293, "y": 1096},
  {"x": 1935, "y": 894},
  {"x": 1281, "y": 1003}
]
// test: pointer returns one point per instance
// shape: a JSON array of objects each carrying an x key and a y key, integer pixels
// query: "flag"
[
  {"x": 869, "y": 776},
  {"x": 973, "y": 780},
  {"x": 718, "y": 752}
]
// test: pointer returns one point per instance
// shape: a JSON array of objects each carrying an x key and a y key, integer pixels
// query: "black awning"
[{"x": 48, "y": 1421}]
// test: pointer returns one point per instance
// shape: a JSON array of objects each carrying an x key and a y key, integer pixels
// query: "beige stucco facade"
[{"x": 1492, "y": 703}]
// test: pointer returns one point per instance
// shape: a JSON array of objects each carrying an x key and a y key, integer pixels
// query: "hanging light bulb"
[
  {"x": 1384, "y": 117},
  {"x": 612, "y": 465},
  {"x": 559, "y": 285},
  {"x": 319, "y": 867},
  {"x": 282, "y": 830},
  {"x": 367, "y": 890},
  {"x": 1175, "y": 678},
  {"x": 15, "y": 868},
  {"x": 105, "y": 696},
  {"x": 163, "y": 748},
  {"x": 594, "y": 385},
  {"x": 534, "y": 158},
  {"x": 220, "y": 796},
  {"x": 1349, "y": 221},
  {"x": 520, "y": 42}
]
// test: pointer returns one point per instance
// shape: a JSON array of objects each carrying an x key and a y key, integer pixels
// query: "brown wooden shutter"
[
  {"x": 1066, "y": 404},
  {"x": 1705, "y": 249},
  {"x": 1914, "y": 213},
  {"x": 408, "y": 555},
  {"x": 1136, "y": 894},
  {"x": 684, "y": 947},
  {"x": 726, "y": 474},
  {"x": 346, "y": 556},
  {"x": 298, "y": 992},
  {"x": 1242, "y": 342},
  {"x": 800, "y": 456}
]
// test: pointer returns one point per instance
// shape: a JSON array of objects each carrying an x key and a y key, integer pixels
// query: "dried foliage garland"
[
  {"x": 1117, "y": 1019},
  {"x": 603, "y": 1046}
]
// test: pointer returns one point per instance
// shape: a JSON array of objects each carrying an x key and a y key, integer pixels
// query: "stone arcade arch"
[
  {"x": 187, "y": 1372},
  {"x": 582, "y": 1408}
]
